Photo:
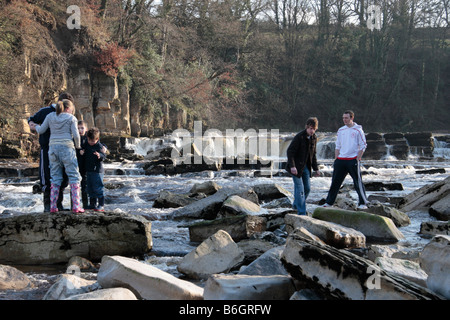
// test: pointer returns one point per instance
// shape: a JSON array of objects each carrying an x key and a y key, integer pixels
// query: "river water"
[{"x": 129, "y": 190}]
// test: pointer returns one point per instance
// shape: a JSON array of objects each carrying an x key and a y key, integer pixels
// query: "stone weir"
[{"x": 51, "y": 238}]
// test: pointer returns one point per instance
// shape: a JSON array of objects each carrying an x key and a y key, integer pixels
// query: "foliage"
[
  {"x": 248, "y": 64},
  {"x": 111, "y": 58}
]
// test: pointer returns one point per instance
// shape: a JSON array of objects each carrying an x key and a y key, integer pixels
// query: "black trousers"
[{"x": 340, "y": 170}]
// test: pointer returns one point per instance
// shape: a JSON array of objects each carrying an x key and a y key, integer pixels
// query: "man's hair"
[
  {"x": 93, "y": 133},
  {"x": 350, "y": 112},
  {"x": 66, "y": 96},
  {"x": 312, "y": 122}
]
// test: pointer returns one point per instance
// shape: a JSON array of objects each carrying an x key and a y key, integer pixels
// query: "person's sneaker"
[
  {"x": 326, "y": 205},
  {"x": 362, "y": 207},
  {"x": 100, "y": 209}
]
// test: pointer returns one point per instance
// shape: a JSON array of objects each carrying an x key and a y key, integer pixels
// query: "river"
[{"x": 129, "y": 190}]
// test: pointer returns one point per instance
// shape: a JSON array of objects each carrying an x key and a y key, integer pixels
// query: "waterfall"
[{"x": 441, "y": 149}]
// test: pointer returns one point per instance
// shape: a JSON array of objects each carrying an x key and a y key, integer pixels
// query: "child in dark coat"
[{"x": 93, "y": 163}]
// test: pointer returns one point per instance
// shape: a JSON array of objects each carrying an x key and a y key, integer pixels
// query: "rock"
[
  {"x": 382, "y": 186},
  {"x": 167, "y": 199},
  {"x": 45, "y": 238},
  {"x": 307, "y": 294},
  {"x": 394, "y": 251},
  {"x": 330, "y": 233},
  {"x": 81, "y": 264},
  {"x": 219, "y": 253},
  {"x": 105, "y": 294},
  {"x": 268, "y": 192},
  {"x": 432, "y": 228},
  {"x": 376, "y": 146},
  {"x": 431, "y": 171},
  {"x": 420, "y": 143},
  {"x": 13, "y": 279},
  {"x": 68, "y": 285},
  {"x": 254, "y": 248},
  {"x": 441, "y": 208},
  {"x": 302, "y": 232},
  {"x": 398, "y": 146},
  {"x": 145, "y": 281},
  {"x": 339, "y": 274},
  {"x": 267, "y": 264},
  {"x": 404, "y": 268},
  {"x": 207, "y": 187},
  {"x": 374, "y": 227},
  {"x": 239, "y": 227},
  {"x": 235, "y": 205},
  {"x": 246, "y": 287},
  {"x": 206, "y": 208},
  {"x": 425, "y": 196},
  {"x": 399, "y": 218},
  {"x": 435, "y": 261}
]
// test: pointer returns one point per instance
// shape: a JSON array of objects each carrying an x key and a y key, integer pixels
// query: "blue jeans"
[
  {"x": 63, "y": 157},
  {"x": 94, "y": 181},
  {"x": 302, "y": 187}
]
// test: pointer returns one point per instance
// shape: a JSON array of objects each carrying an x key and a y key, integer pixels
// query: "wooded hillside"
[{"x": 239, "y": 64}]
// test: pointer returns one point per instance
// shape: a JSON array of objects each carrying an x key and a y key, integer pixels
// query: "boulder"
[
  {"x": 383, "y": 186},
  {"x": 441, "y": 208},
  {"x": 271, "y": 191},
  {"x": 44, "y": 238},
  {"x": 394, "y": 251},
  {"x": 399, "y": 218},
  {"x": 267, "y": 264},
  {"x": 235, "y": 205},
  {"x": 339, "y": 274},
  {"x": 145, "y": 281},
  {"x": 374, "y": 227},
  {"x": 68, "y": 285},
  {"x": 207, "y": 187},
  {"x": 246, "y": 287},
  {"x": 219, "y": 253},
  {"x": 238, "y": 227},
  {"x": 105, "y": 294},
  {"x": 206, "y": 208},
  {"x": 404, "y": 268},
  {"x": 167, "y": 199},
  {"x": 82, "y": 264},
  {"x": 435, "y": 261},
  {"x": 13, "y": 279},
  {"x": 425, "y": 196},
  {"x": 254, "y": 248},
  {"x": 432, "y": 228},
  {"x": 330, "y": 233}
]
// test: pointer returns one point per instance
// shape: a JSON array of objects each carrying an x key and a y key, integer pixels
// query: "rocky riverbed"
[{"x": 241, "y": 251}]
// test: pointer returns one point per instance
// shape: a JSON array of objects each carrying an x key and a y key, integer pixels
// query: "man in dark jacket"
[
  {"x": 302, "y": 159},
  {"x": 44, "y": 163}
]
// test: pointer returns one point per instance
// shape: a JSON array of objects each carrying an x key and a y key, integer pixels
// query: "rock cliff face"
[{"x": 104, "y": 102}]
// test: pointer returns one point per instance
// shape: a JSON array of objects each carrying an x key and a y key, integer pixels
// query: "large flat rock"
[{"x": 49, "y": 238}]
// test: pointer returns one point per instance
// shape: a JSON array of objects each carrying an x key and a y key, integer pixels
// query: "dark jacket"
[
  {"x": 301, "y": 153},
  {"x": 39, "y": 118},
  {"x": 91, "y": 162}
]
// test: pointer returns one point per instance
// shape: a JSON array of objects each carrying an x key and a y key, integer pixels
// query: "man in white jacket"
[{"x": 350, "y": 146}]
